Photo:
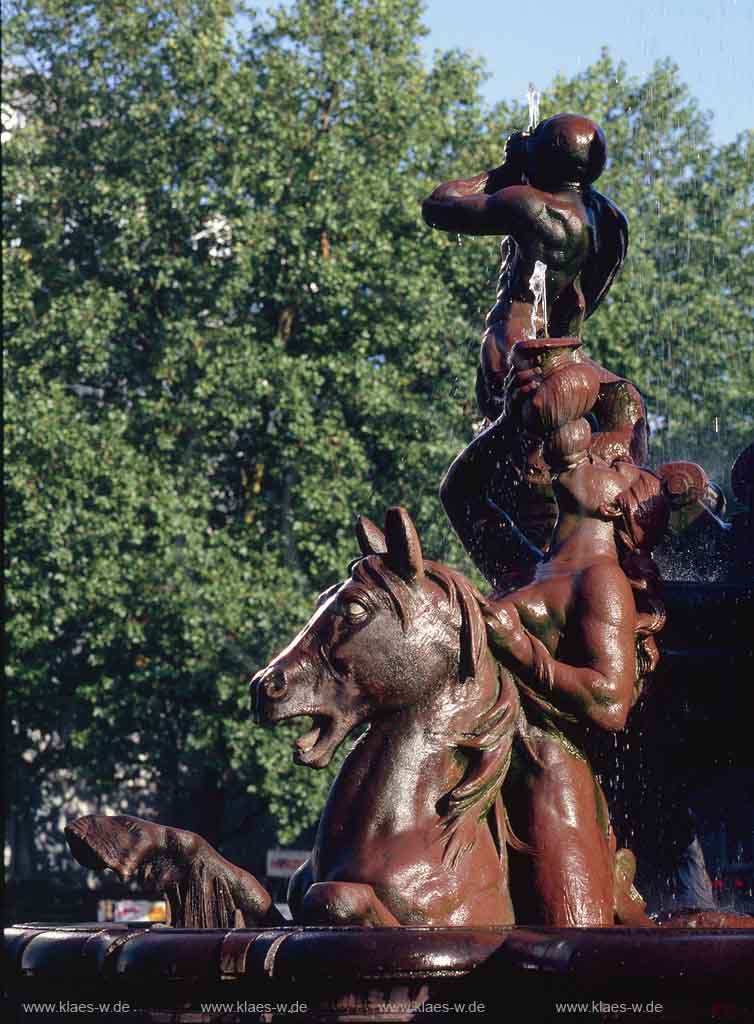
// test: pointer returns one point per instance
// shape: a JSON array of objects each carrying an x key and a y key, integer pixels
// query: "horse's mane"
[{"x": 487, "y": 740}]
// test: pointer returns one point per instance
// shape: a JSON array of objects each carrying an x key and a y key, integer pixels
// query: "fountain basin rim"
[{"x": 98, "y": 953}]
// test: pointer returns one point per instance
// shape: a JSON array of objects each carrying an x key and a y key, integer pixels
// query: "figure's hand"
[
  {"x": 511, "y": 171},
  {"x": 504, "y": 629},
  {"x": 516, "y": 647},
  {"x": 520, "y": 385},
  {"x": 567, "y": 393},
  {"x": 517, "y": 150}
]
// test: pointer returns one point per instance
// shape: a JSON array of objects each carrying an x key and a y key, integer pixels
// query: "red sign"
[{"x": 282, "y": 863}]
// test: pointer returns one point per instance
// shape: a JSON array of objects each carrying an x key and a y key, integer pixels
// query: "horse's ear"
[
  {"x": 404, "y": 551},
  {"x": 370, "y": 537}
]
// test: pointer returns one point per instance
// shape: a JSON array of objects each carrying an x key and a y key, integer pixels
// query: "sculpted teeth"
[{"x": 308, "y": 740}]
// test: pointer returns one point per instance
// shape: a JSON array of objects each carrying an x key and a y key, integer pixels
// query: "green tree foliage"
[{"x": 228, "y": 332}]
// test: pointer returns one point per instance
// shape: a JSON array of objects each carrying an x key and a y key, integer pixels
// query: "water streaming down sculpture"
[
  {"x": 471, "y": 801},
  {"x": 538, "y": 286},
  {"x": 532, "y": 97}
]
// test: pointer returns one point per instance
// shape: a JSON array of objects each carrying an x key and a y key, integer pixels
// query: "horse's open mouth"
[{"x": 316, "y": 747}]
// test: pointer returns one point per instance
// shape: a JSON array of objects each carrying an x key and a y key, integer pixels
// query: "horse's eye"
[{"x": 354, "y": 611}]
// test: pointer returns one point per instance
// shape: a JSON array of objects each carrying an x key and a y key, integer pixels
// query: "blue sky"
[{"x": 712, "y": 41}]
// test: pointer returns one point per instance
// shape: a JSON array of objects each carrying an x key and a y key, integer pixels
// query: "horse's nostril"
[{"x": 275, "y": 686}]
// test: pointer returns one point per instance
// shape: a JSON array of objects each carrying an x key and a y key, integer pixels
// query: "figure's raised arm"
[
  {"x": 504, "y": 212},
  {"x": 602, "y": 628},
  {"x": 456, "y": 205}
]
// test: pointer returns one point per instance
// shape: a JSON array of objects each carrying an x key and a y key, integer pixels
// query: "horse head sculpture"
[
  {"x": 414, "y": 814},
  {"x": 414, "y": 830}
]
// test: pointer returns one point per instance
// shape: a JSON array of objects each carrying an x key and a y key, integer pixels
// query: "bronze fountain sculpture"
[{"x": 471, "y": 800}]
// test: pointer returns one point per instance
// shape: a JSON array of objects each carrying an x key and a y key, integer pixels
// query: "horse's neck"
[
  {"x": 399, "y": 767},
  {"x": 408, "y": 761}
]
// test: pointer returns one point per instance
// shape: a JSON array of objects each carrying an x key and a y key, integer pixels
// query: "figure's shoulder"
[
  {"x": 519, "y": 197},
  {"x": 605, "y": 211},
  {"x": 618, "y": 217},
  {"x": 545, "y": 216},
  {"x": 605, "y": 591}
]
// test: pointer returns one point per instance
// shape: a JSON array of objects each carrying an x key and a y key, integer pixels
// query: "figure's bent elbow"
[{"x": 611, "y": 717}]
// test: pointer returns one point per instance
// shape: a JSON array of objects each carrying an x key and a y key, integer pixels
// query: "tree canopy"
[{"x": 228, "y": 332}]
